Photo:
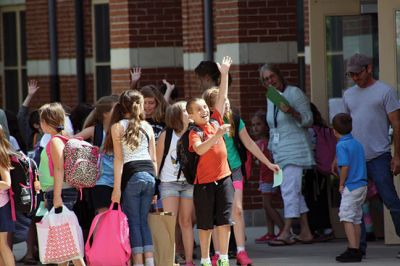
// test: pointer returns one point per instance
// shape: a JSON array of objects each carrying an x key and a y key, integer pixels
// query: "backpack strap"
[
  {"x": 239, "y": 145},
  {"x": 167, "y": 144},
  {"x": 145, "y": 134},
  {"x": 98, "y": 135},
  {"x": 48, "y": 152}
]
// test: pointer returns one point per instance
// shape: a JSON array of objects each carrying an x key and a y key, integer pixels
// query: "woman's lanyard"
[{"x": 276, "y": 111}]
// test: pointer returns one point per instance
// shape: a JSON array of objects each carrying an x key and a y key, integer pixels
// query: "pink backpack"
[
  {"x": 325, "y": 148},
  {"x": 81, "y": 162},
  {"x": 110, "y": 244}
]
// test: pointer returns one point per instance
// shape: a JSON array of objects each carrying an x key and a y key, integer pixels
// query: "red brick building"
[{"x": 82, "y": 50}]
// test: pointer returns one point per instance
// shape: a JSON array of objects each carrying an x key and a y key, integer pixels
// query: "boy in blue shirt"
[{"x": 353, "y": 185}]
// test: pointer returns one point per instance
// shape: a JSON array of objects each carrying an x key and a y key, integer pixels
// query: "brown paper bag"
[{"x": 162, "y": 227}]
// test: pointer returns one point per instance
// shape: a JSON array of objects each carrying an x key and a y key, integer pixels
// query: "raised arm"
[
  {"x": 135, "y": 74},
  {"x": 86, "y": 133},
  {"x": 223, "y": 87},
  {"x": 23, "y": 112},
  {"x": 169, "y": 90}
]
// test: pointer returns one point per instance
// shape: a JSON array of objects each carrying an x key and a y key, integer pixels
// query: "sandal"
[
  {"x": 297, "y": 239},
  {"x": 281, "y": 242}
]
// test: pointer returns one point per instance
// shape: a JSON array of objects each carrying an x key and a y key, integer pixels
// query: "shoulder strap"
[
  {"x": 48, "y": 152},
  {"x": 167, "y": 144},
  {"x": 98, "y": 135},
  {"x": 145, "y": 134}
]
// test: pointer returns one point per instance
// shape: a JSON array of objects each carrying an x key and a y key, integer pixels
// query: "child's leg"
[
  {"x": 205, "y": 240},
  {"x": 185, "y": 221},
  {"x": 5, "y": 251},
  {"x": 274, "y": 218},
  {"x": 171, "y": 204},
  {"x": 215, "y": 240},
  {"x": 351, "y": 235},
  {"x": 224, "y": 232},
  {"x": 237, "y": 215}
]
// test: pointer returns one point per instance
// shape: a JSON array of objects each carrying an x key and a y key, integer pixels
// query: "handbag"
[
  {"x": 162, "y": 227},
  {"x": 60, "y": 237},
  {"x": 109, "y": 229}
]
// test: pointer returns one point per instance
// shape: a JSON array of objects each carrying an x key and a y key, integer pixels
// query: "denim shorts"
[
  {"x": 180, "y": 189},
  {"x": 267, "y": 188}
]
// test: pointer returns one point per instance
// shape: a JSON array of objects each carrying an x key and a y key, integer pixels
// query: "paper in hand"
[
  {"x": 278, "y": 178},
  {"x": 276, "y": 97}
]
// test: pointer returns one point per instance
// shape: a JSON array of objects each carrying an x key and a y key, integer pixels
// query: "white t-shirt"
[{"x": 169, "y": 172}]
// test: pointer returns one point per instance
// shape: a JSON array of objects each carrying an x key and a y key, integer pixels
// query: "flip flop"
[
  {"x": 281, "y": 242},
  {"x": 303, "y": 241}
]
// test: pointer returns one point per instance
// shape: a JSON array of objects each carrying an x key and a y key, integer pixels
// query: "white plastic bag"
[{"x": 60, "y": 237}]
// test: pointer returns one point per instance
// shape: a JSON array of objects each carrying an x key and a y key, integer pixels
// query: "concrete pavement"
[{"x": 299, "y": 254}]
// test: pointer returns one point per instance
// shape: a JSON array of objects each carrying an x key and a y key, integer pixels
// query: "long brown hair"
[
  {"x": 102, "y": 106},
  {"x": 130, "y": 106},
  {"x": 151, "y": 91},
  {"x": 5, "y": 150}
]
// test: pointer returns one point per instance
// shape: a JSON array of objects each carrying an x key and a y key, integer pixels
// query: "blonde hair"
[
  {"x": 53, "y": 115},
  {"x": 5, "y": 150},
  {"x": 210, "y": 97}
]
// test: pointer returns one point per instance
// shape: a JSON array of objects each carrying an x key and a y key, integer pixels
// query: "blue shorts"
[
  {"x": 266, "y": 188},
  {"x": 180, "y": 189}
]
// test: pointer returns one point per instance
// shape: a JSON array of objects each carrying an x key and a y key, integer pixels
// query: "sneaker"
[
  {"x": 180, "y": 259},
  {"x": 265, "y": 238},
  {"x": 206, "y": 264},
  {"x": 214, "y": 259},
  {"x": 350, "y": 255},
  {"x": 243, "y": 259},
  {"x": 223, "y": 263}
]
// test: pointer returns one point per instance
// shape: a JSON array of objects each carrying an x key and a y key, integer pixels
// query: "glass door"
[{"x": 345, "y": 36}]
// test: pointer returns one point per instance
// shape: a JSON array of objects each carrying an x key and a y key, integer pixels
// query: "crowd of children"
[{"x": 137, "y": 133}]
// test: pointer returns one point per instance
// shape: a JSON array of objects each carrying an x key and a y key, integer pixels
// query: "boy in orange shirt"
[{"x": 213, "y": 189}]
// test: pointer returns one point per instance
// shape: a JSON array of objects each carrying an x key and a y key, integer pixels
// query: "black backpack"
[
  {"x": 23, "y": 175},
  {"x": 188, "y": 160},
  {"x": 239, "y": 145},
  {"x": 167, "y": 144}
]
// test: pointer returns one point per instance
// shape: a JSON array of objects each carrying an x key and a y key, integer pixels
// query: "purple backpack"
[{"x": 325, "y": 148}]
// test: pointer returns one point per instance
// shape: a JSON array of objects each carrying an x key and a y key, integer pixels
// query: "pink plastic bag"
[
  {"x": 111, "y": 230},
  {"x": 60, "y": 237}
]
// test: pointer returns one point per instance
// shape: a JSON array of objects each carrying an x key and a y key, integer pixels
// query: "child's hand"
[
  {"x": 341, "y": 188},
  {"x": 136, "y": 73},
  {"x": 170, "y": 87},
  {"x": 57, "y": 202},
  {"x": 32, "y": 87},
  {"x": 223, "y": 129},
  {"x": 274, "y": 167},
  {"x": 224, "y": 66},
  {"x": 116, "y": 196}
]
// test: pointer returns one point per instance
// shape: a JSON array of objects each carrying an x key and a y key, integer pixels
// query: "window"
[
  {"x": 14, "y": 56},
  {"x": 101, "y": 31}
]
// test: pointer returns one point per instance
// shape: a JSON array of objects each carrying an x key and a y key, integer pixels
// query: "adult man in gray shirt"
[{"x": 374, "y": 106}]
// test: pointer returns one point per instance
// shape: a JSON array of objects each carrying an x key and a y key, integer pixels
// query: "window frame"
[
  {"x": 95, "y": 62},
  {"x": 20, "y": 67}
]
